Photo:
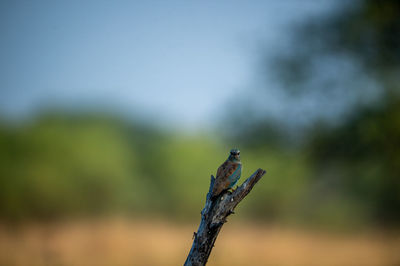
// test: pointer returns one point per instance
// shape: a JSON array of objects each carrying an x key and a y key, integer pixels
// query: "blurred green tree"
[{"x": 344, "y": 69}]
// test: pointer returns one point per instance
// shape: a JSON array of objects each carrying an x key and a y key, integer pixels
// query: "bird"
[{"x": 228, "y": 173}]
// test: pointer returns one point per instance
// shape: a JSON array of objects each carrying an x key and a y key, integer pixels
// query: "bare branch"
[{"x": 213, "y": 217}]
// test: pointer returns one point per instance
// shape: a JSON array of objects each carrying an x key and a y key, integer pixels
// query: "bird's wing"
[
  {"x": 222, "y": 169},
  {"x": 235, "y": 176},
  {"x": 222, "y": 181}
]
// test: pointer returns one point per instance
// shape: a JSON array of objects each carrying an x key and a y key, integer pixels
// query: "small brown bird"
[{"x": 228, "y": 173}]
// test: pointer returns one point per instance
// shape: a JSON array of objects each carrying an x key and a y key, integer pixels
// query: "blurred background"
[{"x": 113, "y": 116}]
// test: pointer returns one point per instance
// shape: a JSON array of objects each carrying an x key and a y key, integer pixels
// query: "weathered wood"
[{"x": 213, "y": 217}]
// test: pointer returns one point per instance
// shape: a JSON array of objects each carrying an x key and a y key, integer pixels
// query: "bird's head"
[{"x": 234, "y": 155}]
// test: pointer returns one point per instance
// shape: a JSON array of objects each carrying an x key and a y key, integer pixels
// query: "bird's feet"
[{"x": 231, "y": 190}]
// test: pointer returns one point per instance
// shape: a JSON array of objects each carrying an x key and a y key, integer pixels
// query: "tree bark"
[{"x": 213, "y": 217}]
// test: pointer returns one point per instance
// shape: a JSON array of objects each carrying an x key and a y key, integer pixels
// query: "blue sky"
[{"x": 177, "y": 62}]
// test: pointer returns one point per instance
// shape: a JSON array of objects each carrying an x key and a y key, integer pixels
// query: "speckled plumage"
[{"x": 228, "y": 173}]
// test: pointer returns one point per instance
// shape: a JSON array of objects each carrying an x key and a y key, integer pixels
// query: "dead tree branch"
[{"x": 213, "y": 217}]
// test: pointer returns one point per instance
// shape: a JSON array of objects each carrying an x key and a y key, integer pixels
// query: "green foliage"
[
  {"x": 88, "y": 165},
  {"x": 57, "y": 166},
  {"x": 366, "y": 154},
  {"x": 340, "y": 121}
]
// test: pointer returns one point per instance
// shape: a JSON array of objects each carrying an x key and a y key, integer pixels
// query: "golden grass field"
[{"x": 127, "y": 242}]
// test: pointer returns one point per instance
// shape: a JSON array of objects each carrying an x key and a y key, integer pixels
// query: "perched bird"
[{"x": 228, "y": 173}]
